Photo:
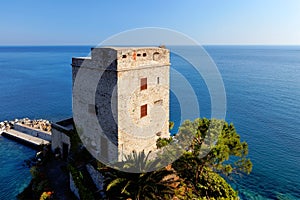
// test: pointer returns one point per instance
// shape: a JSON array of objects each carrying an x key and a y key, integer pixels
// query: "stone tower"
[{"x": 121, "y": 99}]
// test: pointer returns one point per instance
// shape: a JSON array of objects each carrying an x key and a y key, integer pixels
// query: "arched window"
[{"x": 156, "y": 56}]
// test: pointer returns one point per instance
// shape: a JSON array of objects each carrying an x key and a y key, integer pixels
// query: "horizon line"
[{"x": 92, "y": 45}]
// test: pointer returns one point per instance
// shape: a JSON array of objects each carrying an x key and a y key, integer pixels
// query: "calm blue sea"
[{"x": 263, "y": 91}]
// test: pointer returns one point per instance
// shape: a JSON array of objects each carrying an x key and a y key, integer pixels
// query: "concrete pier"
[
  {"x": 30, "y": 132},
  {"x": 23, "y": 137}
]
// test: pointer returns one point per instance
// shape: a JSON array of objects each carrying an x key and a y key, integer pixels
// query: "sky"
[{"x": 88, "y": 22}]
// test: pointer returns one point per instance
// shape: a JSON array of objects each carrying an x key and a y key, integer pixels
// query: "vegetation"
[
  {"x": 77, "y": 158},
  {"x": 157, "y": 184},
  {"x": 202, "y": 165},
  {"x": 84, "y": 192},
  {"x": 39, "y": 187},
  {"x": 162, "y": 142},
  {"x": 171, "y": 125},
  {"x": 46, "y": 196},
  {"x": 211, "y": 151}
]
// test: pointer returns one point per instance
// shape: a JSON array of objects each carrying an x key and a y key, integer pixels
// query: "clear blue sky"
[{"x": 51, "y": 22}]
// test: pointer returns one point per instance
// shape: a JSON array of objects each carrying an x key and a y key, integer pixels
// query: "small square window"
[
  {"x": 92, "y": 109},
  {"x": 143, "y": 83},
  {"x": 143, "y": 110},
  {"x": 104, "y": 148}
]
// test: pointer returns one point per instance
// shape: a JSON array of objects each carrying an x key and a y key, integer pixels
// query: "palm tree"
[{"x": 159, "y": 184}]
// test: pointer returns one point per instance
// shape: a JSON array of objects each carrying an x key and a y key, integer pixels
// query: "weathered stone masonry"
[{"x": 131, "y": 98}]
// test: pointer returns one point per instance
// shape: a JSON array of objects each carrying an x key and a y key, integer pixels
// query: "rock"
[
  {"x": 44, "y": 127},
  {"x": 41, "y": 124},
  {"x": 49, "y": 128}
]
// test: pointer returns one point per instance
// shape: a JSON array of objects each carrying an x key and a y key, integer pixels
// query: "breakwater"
[{"x": 30, "y": 132}]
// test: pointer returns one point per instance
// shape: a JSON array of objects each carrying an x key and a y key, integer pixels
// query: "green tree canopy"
[
  {"x": 215, "y": 147},
  {"x": 211, "y": 150}
]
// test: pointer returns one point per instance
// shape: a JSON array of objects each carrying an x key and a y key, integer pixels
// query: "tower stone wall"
[{"x": 129, "y": 104}]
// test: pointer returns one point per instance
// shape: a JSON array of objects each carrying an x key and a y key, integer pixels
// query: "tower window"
[
  {"x": 157, "y": 80},
  {"x": 143, "y": 83},
  {"x": 104, "y": 148},
  {"x": 143, "y": 110},
  {"x": 156, "y": 56},
  {"x": 92, "y": 109}
]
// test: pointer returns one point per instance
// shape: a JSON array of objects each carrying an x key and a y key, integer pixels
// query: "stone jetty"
[{"x": 31, "y": 132}]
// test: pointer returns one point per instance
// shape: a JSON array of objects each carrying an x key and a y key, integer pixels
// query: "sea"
[{"x": 262, "y": 85}]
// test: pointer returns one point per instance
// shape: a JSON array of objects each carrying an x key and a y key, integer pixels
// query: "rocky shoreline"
[{"x": 40, "y": 124}]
